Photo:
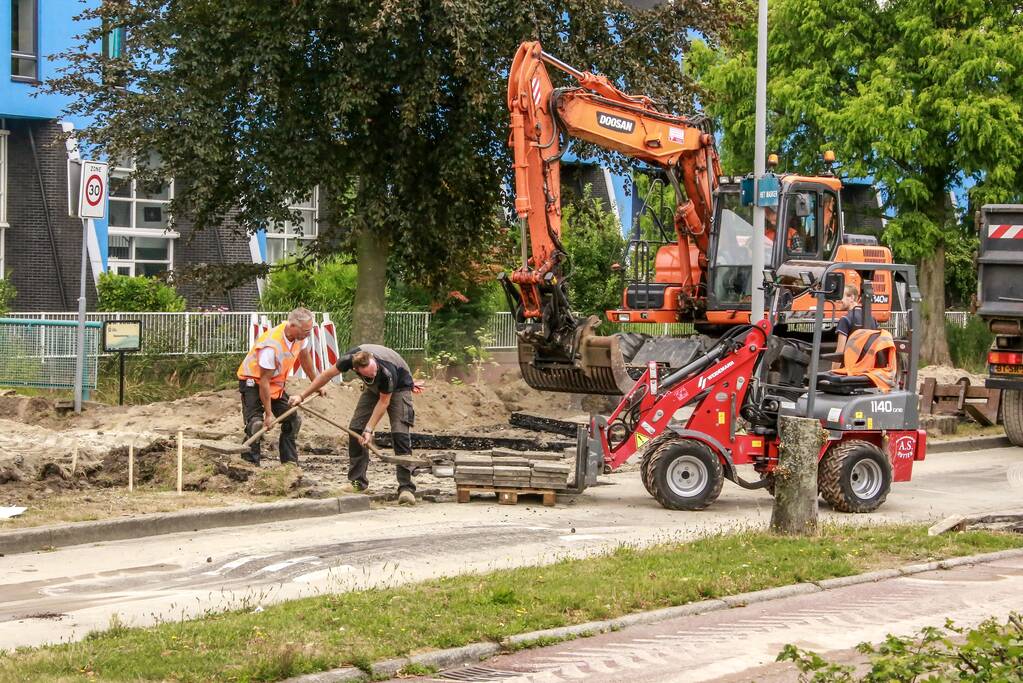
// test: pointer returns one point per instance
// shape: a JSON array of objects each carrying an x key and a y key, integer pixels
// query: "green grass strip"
[{"x": 358, "y": 628}]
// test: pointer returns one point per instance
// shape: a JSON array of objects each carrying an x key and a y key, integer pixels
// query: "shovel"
[
  {"x": 406, "y": 461},
  {"x": 228, "y": 447}
]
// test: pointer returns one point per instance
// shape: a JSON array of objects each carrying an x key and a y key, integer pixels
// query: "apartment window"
[
  {"x": 140, "y": 241},
  {"x": 24, "y": 40},
  {"x": 291, "y": 237}
]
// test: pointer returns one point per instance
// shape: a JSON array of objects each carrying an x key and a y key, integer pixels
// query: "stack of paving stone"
[
  {"x": 511, "y": 471},
  {"x": 550, "y": 475},
  {"x": 474, "y": 469}
]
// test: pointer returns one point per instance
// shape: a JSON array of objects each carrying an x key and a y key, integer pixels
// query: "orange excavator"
[{"x": 701, "y": 272}]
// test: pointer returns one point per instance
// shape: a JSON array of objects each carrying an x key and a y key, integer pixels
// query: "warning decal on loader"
[{"x": 640, "y": 440}]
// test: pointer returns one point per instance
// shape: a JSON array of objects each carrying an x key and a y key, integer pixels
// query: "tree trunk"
[
  {"x": 934, "y": 347},
  {"x": 795, "y": 478},
  {"x": 372, "y": 249}
]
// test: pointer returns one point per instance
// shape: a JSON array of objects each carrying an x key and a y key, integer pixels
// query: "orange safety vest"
[
  {"x": 285, "y": 354},
  {"x": 860, "y": 357}
]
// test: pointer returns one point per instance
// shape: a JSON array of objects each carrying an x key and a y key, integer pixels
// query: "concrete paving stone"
[
  {"x": 511, "y": 462},
  {"x": 507, "y": 471},
  {"x": 474, "y": 469},
  {"x": 344, "y": 675},
  {"x": 556, "y": 467},
  {"x": 473, "y": 459}
]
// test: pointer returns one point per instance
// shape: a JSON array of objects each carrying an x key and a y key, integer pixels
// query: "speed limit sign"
[{"x": 92, "y": 198}]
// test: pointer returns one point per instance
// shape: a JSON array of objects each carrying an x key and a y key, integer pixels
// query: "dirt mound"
[
  {"x": 946, "y": 374},
  {"x": 38, "y": 444}
]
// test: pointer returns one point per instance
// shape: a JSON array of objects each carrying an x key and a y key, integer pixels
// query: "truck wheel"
[
  {"x": 1012, "y": 415},
  {"x": 855, "y": 476},
  {"x": 684, "y": 475}
]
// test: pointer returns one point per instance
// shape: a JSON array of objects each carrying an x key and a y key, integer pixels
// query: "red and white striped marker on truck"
[{"x": 1005, "y": 232}]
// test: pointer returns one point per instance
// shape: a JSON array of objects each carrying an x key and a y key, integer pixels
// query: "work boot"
[
  {"x": 406, "y": 497},
  {"x": 355, "y": 487}
]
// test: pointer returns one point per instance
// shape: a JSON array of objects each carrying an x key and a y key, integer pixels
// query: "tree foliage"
[
  {"x": 125, "y": 293},
  {"x": 592, "y": 237},
  {"x": 920, "y": 96},
  {"x": 396, "y": 109}
]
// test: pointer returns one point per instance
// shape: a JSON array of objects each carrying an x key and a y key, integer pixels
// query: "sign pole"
[
  {"x": 80, "y": 346},
  {"x": 120, "y": 391},
  {"x": 759, "y": 166},
  {"x": 92, "y": 203}
]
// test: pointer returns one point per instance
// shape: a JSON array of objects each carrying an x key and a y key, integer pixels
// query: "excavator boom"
[{"x": 557, "y": 350}]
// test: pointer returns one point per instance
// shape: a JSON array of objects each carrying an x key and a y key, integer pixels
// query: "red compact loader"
[{"x": 696, "y": 424}]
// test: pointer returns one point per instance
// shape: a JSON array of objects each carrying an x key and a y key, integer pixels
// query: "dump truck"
[{"x": 1000, "y": 305}]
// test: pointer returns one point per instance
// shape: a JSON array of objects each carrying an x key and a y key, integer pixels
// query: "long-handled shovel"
[
  {"x": 231, "y": 447},
  {"x": 407, "y": 461}
]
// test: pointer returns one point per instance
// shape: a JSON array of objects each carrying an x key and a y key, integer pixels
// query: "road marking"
[
  {"x": 234, "y": 564},
  {"x": 287, "y": 563},
  {"x": 324, "y": 573},
  {"x": 580, "y": 537}
]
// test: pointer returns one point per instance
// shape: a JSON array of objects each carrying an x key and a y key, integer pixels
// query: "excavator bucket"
[
  {"x": 598, "y": 368},
  {"x": 607, "y": 365}
]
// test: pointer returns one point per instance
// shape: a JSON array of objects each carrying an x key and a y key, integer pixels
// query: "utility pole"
[{"x": 759, "y": 167}]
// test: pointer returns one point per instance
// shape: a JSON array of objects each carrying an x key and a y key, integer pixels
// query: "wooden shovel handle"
[
  {"x": 343, "y": 428},
  {"x": 255, "y": 437}
]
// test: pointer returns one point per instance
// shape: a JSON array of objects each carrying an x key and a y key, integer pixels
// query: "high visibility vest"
[
  {"x": 860, "y": 357},
  {"x": 285, "y": 355}
]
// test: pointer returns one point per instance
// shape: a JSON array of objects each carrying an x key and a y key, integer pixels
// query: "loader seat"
[{"x": 869, "y": 362}]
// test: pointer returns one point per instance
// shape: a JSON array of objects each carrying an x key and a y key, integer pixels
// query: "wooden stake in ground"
[
  {"x": 74, "y": 459},
  {"x": 795, "y": 478},
  {"x": 180, "y": 457},
  {"x": 131, "y": 467}
]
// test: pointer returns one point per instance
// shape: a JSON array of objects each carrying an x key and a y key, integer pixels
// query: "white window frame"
[
  {"x": 287, "y": 233},
  {"x": 32, "y": 56},
  {"x": 4, "y": 134},
  {"x": 133, "y": 200}
]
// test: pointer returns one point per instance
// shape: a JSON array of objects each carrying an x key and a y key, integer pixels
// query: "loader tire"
[
  {"x": 684, "y": 475},
  {"x": 651, "y": 446},
  {"x": 1012, "y": 415},
  {"x": 854, "y": 476}
]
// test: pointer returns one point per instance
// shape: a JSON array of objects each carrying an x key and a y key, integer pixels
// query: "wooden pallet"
[{"x": 507, "y": 496}]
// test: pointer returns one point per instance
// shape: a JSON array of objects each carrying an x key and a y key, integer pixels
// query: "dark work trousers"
[
  {"x": 252, "y": 414},
  {"x": 402, "y": 417}
]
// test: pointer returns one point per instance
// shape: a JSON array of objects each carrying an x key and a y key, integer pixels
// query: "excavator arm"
[{"x": 557, "y": 351}]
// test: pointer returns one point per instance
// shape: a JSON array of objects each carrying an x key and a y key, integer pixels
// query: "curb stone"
[
  {"x": 39, "y": 538},
  {"x": 968, "y": 444},
  {"x": 855, "y": 579},
  {"x": 476, "y": 652}
]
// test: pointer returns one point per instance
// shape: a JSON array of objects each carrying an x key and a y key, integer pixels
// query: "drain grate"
[{"x": 471, "y": 674}]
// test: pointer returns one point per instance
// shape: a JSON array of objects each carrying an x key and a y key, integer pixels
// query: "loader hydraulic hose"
[{"x": 712, "y": 356}]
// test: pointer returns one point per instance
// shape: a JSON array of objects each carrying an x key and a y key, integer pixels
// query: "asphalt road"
[{"x": 64, "y": 594}]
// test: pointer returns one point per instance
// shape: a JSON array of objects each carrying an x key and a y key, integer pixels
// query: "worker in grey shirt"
[{"x": 387, "y": 389}]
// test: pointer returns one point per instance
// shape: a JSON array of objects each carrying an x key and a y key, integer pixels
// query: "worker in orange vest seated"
[
  {"x": 852, "y": 321},
  {"x": 261, "y": 378}
]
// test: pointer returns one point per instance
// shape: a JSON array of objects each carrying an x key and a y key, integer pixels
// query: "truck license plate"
[{"x": 1008, "y": 369}]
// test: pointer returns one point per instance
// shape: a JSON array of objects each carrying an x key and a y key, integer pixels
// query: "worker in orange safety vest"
[{"x": 261, "y": 378}]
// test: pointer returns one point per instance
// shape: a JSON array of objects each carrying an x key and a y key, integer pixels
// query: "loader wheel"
[
  {"x": 666, "y": 436},
  {"x": 855, "y": 476},
  {"x": 684, "y": 475},
  {"x": 1012, "y": 415}
]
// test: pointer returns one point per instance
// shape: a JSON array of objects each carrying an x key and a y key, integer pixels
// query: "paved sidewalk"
[{"x": 741, "y": 644}]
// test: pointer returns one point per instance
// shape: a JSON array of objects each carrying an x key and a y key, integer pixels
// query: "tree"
[
  {"x": 396, "y": 110},
  {"x": 593, "y": 240},
  {"x": 921, "y": 96}
]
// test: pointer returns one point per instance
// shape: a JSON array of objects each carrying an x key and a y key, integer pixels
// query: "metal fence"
[
  {"x": 36, "y": 353},
  {"x": 228, "y": 332}
]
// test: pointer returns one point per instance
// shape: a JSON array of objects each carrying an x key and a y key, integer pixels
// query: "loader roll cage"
[{"x": 908, "y": 296}]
